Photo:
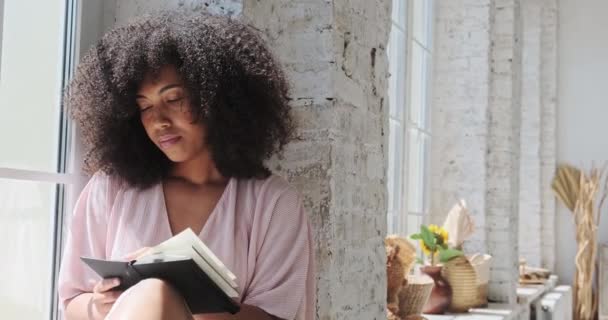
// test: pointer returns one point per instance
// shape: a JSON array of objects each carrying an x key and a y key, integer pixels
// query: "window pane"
[
  {"x": 430, "y": 16},
  {"x": 417, "y": 170},
  {"x": 30, "y": 83},
  {"x": 26, "y": 225},
  {"x": 413, "y": 226},
  {"x": 418, "y": 87},
  {"x": 389, "y": 222},
  {"x": 395, "y": 175},
  {"x": 413, "y": 223},
  {"x": 399, "y": 13},
  {"x": 421, "y": 21},
  {"x": 397, "y": 63}
]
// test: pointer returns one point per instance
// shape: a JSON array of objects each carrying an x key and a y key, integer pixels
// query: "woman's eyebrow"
[
  {"x": 171, "y": 86},
  {"x": 163, "y": 89}
]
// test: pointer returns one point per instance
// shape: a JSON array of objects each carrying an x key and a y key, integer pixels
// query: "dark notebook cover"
[{"x": 201, "y": 294}]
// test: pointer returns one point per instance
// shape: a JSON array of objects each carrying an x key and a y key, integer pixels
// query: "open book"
[{"x": 185, "y": 262}]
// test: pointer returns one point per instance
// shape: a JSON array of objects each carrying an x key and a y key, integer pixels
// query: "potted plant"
[{"x": 434, "y": 244}]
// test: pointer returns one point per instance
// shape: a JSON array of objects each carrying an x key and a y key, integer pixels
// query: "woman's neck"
[{"x": 200, "y": 170}]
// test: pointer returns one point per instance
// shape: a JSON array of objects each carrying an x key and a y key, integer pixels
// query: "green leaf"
[
  {"x": 419, "y": 261},
  {"x": 416, "y": 236},
  {"x": 428, "y": 238},
  {"x": 447, "y": 255},
  {"x": 444, "y": 246}
]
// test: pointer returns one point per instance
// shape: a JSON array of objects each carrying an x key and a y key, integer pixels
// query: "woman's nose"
[{"x": 160, "y": 117}]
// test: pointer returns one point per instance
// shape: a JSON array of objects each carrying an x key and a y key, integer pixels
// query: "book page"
[{"x": 188, "y": 241}]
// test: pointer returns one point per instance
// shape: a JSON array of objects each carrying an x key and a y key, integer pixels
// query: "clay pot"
[{"x": 441, "y": 295}]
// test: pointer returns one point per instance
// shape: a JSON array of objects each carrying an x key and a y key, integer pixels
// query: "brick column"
[
  {"x": 530, "y": 164},
  {"x": 548, "y": 147},
  {"x": 335, "y": 54},
  {"x": 502, "y": 166}
]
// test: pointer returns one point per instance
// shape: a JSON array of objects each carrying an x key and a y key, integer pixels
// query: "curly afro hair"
[{"x": 237, "y": 90}]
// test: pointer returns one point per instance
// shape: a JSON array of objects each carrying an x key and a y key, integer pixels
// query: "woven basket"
[
  {"x": 414, "y": 295},
  {"x": 482, "y": 296},
  {"x": 462, "y": 278},
  {"x": 407, "y": 251},
  {"x": 481, "y": 263}
]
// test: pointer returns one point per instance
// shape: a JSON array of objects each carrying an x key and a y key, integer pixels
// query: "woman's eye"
[
  {"x": 174, "y": 100},
  {"x": 143, "y": 109}
]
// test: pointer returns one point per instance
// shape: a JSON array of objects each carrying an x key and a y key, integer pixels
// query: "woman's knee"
[
  {"x": 151, "y": 296},
  {"x": 154, "y": 286}
]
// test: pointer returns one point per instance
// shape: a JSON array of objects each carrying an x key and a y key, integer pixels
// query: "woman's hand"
[
  {"x": 136, "y": 254},
  {"x": 103, "y": 298}
]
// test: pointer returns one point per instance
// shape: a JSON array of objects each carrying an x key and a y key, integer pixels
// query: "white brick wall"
[
  {"x": 477, "y": 121},
  {"x": 125, "y": 9},
  {"x": 459, "y": 111},
  {"x": 538, "y": 136},
  {"x": 603, "y": 281},
  {"x": 494, "y": 126}
]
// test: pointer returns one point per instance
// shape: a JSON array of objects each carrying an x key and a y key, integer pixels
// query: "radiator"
[
  {"x": 554, "y": 305},
  {"x": 603, "y": 282}
]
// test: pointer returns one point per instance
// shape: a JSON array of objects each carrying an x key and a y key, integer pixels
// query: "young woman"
[{"x": 180, "y": 112}]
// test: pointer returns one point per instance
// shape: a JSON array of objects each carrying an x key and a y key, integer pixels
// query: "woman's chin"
[{"x": 176, "y": 157}]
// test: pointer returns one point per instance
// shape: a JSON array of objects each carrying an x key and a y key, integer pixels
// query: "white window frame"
[
  {"x": 1, "y": 26},
  {"x": 400, "y": 225},
  {"x": 97, "y": 16}
]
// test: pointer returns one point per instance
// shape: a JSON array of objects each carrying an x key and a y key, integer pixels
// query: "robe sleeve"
[
  {"x": 283, "y": 281},
  {"x": 86, "y": 237}
]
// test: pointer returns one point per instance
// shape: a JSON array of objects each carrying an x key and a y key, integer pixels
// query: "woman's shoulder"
[
  {"x": 268, "y": 189},
  {"x": 102, "y": 179},
  {"x": 272, "y": 184},
  {"x": 110, "y": 191},
  {"x": 109, "y": 185}
]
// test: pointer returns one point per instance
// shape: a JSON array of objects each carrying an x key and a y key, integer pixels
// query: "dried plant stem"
[
  {"x": 586, "y": 234},
  {"x": 578, "y": 192}
]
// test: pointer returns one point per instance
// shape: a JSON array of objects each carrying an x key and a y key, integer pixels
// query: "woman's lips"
[{"x": 168, "y": 141}]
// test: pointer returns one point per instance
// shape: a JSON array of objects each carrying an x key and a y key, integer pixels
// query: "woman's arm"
[
  {"x": 95, "y": 305},
  {"x": 247, "y": 313},
  {"x": 86, "y": 237}
]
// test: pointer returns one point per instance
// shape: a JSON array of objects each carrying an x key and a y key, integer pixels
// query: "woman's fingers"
[
  {"x": 103, "y": 296},
  {"x": 136, "y": 254},
  {"x": 104, "y": 308},
  {"x": 109, "y": 297},
  {"x": 106, "y": 284}
]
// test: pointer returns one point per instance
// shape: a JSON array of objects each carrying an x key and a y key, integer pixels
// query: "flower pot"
[{"x": 441, "y": 295}]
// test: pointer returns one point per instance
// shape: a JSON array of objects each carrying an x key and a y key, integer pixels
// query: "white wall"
[{"x": 582, "y": 107}]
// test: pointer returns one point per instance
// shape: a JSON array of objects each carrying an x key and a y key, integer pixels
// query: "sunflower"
[
  {"x": 440, "y": 233},
  {"x": 434, "y": 243},
  {"x": 425, "y": 249}
]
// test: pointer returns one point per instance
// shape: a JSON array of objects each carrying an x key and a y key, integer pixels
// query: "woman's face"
[{"x": 166, "y": 115}]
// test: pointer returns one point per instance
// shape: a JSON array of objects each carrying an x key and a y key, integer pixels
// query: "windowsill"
[
  {"x": 494, "y": 311},
  {"x": 526, "y": 294}
]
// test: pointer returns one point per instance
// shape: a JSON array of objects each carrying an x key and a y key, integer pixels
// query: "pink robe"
[{"x": 258, "y": 229}]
